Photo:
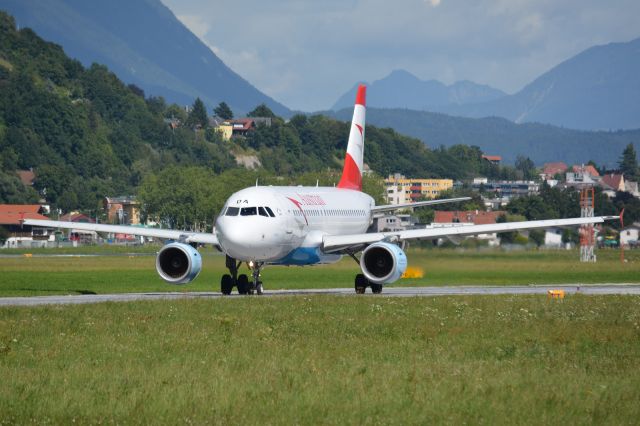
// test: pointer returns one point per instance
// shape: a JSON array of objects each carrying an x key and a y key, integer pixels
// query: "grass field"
[
  {"x": 325, "y": 360},
  {"x": 117, "y": 272}
]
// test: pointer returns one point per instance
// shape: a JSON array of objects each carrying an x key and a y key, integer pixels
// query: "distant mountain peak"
[
  {"x": 597, "y": 89},
  {"x": 402, "y": 89}
]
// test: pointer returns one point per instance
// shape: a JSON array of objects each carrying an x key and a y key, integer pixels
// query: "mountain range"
[
  {"x": 401, "y": 89},
  {"x": 598, "y": 89},
  {"x": 144, "y": 44}
]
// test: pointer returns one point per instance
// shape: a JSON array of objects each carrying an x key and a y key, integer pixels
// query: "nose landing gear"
[
  {"x": 241, "y": 282},
  {"x": 257, "y": 284}
]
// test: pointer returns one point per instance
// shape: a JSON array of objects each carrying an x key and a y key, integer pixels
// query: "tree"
[
  {"x": 136, "y": 90},
  {"x": 198, "y": 115},
  {"x": 526, "y": 166},
  {"x": 261, "y": 110},
  {"x": 512, "y": 236},
  {"x": 629, "y": 163},
  {"x": 223, "y": 111},
  {"x": 537, "y": 236}
]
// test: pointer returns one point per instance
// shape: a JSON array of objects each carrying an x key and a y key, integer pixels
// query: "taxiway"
[{"x": 588, "y": 289}]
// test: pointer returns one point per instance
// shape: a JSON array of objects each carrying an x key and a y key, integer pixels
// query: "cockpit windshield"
[{"x": 250, "y": 211}]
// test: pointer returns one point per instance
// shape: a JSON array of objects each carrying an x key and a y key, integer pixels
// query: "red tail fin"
[{"x": 354, "y": 159}]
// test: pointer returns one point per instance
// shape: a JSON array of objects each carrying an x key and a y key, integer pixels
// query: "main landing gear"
[
  {"x": 241, "y": 282},
  {"x": 361, "y": 284}
]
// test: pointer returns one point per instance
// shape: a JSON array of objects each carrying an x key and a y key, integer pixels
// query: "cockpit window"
[
  {"x": 232, "y": 211},
  {"x": 248, "y": 211},
  {"x": 262, "y": 212},
  {"x": 270, "y": 212}
]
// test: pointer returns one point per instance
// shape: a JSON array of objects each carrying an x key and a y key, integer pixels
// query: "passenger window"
[
  {"x": 248, "y": 211},
  {"x": 270, "y": 212},
  {"x": 232, "y": 211},
  {"x": 262, "y": 212}
]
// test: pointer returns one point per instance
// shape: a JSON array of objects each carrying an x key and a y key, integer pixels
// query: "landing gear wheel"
[
  {"x": 259, "y": 289},
  {"x": 361, "y": 284},
  {"x": 226, "y": 284},
  {"x": 243, "y": 284},
  {"x": 376, "y": 288}
]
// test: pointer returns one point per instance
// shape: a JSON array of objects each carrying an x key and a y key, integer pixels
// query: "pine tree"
[
  {"x": 629, "y": 163},
  {"x": 198, "y": 115},
  {"x": 261, "y": 110},
  {"x": 223, "y": 111}
]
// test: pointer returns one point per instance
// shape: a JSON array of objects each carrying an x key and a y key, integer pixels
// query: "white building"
[{"x": 629, "y": 236}]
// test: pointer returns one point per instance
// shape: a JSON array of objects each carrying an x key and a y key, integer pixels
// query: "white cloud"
[{"x": 306, "y": 54}]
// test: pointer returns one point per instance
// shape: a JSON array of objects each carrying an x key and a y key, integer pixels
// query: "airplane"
[{"x": 301, "y": 225}]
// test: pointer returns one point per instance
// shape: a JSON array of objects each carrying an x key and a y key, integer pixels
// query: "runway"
[{"x": 588, "y": 289}]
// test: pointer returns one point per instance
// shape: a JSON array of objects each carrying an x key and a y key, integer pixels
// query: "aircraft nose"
[{"x": 247, "y": 239}]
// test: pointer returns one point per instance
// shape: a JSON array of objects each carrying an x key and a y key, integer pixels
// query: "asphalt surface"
[{"x": 589, "y": 289}]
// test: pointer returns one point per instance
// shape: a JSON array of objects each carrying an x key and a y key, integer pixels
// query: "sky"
[{"x": 306, "y": 54}]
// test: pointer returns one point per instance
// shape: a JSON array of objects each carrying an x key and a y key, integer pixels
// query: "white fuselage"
[{"x": 286, "y": 224}]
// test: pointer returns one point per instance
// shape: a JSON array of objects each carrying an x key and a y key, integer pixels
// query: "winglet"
[
  {"x": 354, "y": 158},
  {"x": 622, "y": 219}
]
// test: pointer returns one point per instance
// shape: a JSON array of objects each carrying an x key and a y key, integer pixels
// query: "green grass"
[
  {"x": 325, "y": 359},
  {"x": 24, "y": 276}
]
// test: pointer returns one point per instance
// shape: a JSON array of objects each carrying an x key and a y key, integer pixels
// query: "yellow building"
[
  {"x": 401, "y": 190},
  {"x": 226, "y": 129}
]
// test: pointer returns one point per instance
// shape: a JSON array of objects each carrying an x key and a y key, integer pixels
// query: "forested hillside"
[
  {"x": 143, "y": 43},
  {"x": 87, "y": 135},
  {"x": 84, "y": 132}
]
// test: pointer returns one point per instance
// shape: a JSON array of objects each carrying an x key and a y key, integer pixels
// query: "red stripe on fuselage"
[
  {"x": 351, "y": 175},
  {"x": 299, "y": 206}
]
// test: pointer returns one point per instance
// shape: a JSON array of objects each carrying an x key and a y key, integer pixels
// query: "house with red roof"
[
  {"x": 11, "y": 217},
  {"x": 586, "y": 170},
  {"x": 581, "y": 176},
  {"x": 549, "y": 170},
  {"x": 613, "y": 182},
  {"x": 241, "y": 126},
  {"x": 76, "y": 217},
  {"x": 493, "y": 159}
]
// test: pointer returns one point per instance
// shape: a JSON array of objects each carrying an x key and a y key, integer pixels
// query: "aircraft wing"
[
  {"x": 392, "y": 207},
  {"x": 170, "y": 234},
  {"x": 333, "y": 243}
]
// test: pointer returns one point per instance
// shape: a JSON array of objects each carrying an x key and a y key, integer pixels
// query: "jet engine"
[
  {"x": 383, "y": 263},
  {"x": 178, "y": 263}
]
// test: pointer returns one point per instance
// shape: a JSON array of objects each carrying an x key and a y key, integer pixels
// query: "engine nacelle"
[
  {"x": 178, "y": 263},
  {"x": 383, "y": 263}
]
